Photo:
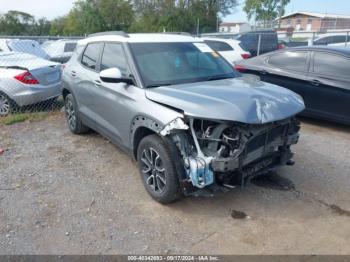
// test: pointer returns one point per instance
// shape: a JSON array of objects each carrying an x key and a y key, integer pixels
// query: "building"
[
  {"x": 317, "y": 22},
  {"x": 234, "y": 27}
]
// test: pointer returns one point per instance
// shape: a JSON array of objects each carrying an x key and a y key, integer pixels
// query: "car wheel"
[
  {"x": 157, "y": 170},
  {"x": 74, "y": 122},
  {"x": 7, "y": 105}
]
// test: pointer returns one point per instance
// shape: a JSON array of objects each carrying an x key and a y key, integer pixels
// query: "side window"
[
  {"x": 113, "y": 56},
  {"x": 295, "y": 61},
  {"x": 69, "y": 47},
  {"x": 91, "y": 55},
  {"x": 269, "y": 42},
  {"x": 249, "y": 42},
  {"x": 324, "y": 41},
  {"x": 218, "y": 46},
  {"x": 330, "y": 64},
  {"x": 339, "y": 39}
]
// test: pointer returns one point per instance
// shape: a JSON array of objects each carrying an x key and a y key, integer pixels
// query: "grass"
[{"x": 18, "y": 118}]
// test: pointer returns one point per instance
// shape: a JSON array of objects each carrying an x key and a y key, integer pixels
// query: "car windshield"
[{"x": 176, "y": 63}]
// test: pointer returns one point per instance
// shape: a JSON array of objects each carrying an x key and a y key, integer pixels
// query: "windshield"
[{"x": 176, "y": 63}]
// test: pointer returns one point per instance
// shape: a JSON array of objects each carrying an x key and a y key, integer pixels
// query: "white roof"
[
  {"x": 228, "y": 41},
  {"x": 142, "y": 38},
  {"x": 319, "y": 15}
]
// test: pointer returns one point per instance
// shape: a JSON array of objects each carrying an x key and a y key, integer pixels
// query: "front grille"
[{"x": 265, "y": 138}]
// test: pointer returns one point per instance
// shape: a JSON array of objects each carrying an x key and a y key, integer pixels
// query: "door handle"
[
  {"x": 97, "y": 83},
  {"x": 264, "y": 72},
  {"x": 315, "y": 82},
  {"x": 73, "y": 73}
]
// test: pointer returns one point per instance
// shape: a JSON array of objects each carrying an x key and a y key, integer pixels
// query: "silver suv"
[{"x": 190, "y": 120}]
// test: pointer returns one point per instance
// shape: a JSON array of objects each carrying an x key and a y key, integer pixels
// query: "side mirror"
[{"x": 113, "y": 75}]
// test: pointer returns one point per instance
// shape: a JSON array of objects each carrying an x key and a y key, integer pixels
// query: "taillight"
[
  {"x": 280, "y": 46},
  {"x": 27, "y": 78},
  {"x": 240, "y": 68},
  {"x": 245, "y": 56}
]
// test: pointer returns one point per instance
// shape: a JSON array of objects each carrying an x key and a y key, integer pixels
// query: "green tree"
[
  {"x": 265, "y": 10},
  {"x": 41, "y": 27},
  {"x": 180, "y": 15},
  {"x": 16, "y": 23},
  {"x": 58, "y": 25}
]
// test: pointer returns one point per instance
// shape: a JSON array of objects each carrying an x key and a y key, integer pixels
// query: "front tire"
[
  {"x": 75, "y": 124},
  {"x": 157, "y": 170}
]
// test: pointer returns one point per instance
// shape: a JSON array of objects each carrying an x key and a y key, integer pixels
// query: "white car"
[
  {"x": 229, "y": 49},
  {"x": 60, "y": 50},
  {"x": 331, "y": 39},
  {"x": 26, "y": 79},
  {"x": 24, "y": 46}
]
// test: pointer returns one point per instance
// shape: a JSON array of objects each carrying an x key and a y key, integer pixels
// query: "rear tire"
[
  {"x": 75, "y": 124},
  {"x": 157, "y": 170},
  {"x": 7, "y": 105}
]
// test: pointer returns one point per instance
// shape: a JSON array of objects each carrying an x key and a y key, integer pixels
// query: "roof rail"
[
  {"x": 120, "y": 33},
  {"x": 177, "y": 33}
]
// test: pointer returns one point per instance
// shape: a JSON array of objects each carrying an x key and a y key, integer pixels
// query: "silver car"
[
  {"x": 26, "y": 79},
  {"x": 191, "y": 121}
]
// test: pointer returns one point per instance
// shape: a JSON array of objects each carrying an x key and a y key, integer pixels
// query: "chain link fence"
[
  {"x": 31, "y": 73},
  {"x": 31, "y": 67}
]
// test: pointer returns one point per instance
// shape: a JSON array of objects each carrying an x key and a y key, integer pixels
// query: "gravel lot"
[{"x": 67, "y": 194}]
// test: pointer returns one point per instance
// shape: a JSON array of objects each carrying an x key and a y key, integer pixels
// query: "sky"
[{"x": 53, "y": 8}]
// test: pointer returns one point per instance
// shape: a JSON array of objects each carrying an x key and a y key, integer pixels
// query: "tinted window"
[
  {"x": 219, "y": 46},
  {"x": 249, "y": 42},
  {"x": 332, "y": 65},
  {"x": 339, "y": 39},
  {"x": 91, "y": 55},
  {"x": 289, "y": 60},
  {"x": 69, "y": 47},
  {"x": 268, "y": 42},
  {"x": 324, "y": 41},
  {"x": 113, "y": 56}
]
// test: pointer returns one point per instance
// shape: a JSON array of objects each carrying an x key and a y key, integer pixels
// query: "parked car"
[
  {"x": 250, "y": 41},
  {"x": 26, "y": 79},
  {"x": 285, "y": 42},
  {"x": 23, "y": 46},
  {"x": 61, "y": 50},
  {"x": 228, "y": 48},
  {"x": 321, "y": 75},
  {"x": 182, "y": 111},
  {"x": 331, "y": 39}
]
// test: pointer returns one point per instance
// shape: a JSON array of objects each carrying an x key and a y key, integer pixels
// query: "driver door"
[{"x": 112, "y": 100}]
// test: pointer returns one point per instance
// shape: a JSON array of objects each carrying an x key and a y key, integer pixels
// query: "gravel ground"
[{"x": 67, "y": 194}]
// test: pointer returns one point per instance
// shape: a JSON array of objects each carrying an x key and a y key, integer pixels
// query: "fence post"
[{"x": 259, "y": 43}]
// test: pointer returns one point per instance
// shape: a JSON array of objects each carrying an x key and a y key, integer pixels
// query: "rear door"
[
  {"x": 328, "y": 89},
  {"x": 84, "y": 75},
  {"x": 287, "y": 69}
]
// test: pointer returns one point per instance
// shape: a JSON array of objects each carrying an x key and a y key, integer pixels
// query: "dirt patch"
[
  {"x": 235, "y": 214},
  {"x": 70, "y": 194}
]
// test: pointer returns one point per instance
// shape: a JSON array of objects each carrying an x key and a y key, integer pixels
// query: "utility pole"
[{"x": 197, "y": 26}]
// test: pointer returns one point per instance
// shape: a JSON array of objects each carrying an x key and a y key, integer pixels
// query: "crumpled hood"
[{"x": 240, "y": 99}]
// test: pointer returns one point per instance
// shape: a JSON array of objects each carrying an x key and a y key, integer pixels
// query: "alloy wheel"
[
  {"x": 70, "y": 113},
  {"x": 153, "y": 169},
  {"x": 5, "y": 105}
]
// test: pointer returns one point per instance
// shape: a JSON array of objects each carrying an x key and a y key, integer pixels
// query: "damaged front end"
[{"x": 226, "y": 153}]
